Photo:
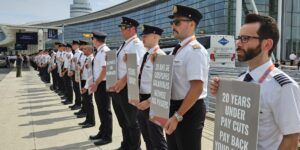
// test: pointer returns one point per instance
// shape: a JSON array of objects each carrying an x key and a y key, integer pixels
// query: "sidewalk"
[{"x": 32, "y": 117}]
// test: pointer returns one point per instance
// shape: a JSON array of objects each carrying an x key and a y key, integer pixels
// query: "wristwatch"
[{"x": 178, "y": 117}]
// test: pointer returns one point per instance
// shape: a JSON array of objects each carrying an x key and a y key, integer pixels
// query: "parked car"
[{"x": 3, "y": 61}]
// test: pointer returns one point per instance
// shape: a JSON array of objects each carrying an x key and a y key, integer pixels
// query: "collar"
[
  {"x": 91, "y": 55},
  {"x": 100, "y": 47},
  {"x": 135, "y": 36},
  {"x": 186, "y": 40},
  {"x": 77, "y": 50},
  {"x": 151, "y": 50},
  {"x": 260, "y": 70}
]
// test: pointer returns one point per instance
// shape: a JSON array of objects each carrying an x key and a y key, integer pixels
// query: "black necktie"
[
  {"x": 95, "y": 51},
  {"x": 176, "y": 49},
  {"x": 142, "y": 66},
  {"x": 120, "y": 48},
  {"x": 248, "y": 78}
]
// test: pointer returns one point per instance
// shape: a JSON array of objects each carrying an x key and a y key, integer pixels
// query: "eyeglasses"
[
  {"x": 124, "y": 27},
  {"x": 246, "y": 38},
  {"x": 177, "y": 21}
]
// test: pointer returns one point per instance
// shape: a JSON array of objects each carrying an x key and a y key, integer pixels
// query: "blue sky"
[{"x": 25, "y": 11}]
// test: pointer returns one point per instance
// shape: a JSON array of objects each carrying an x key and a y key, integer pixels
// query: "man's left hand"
[
  {"x": 171, "y": 125},
  {"x": 119, "y": 85},
  {"x": 93, "y": 87},
  {"x": 143, "y": 105}
]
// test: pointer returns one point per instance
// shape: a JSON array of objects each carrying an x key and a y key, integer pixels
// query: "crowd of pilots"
[{"x": 189, "y": 83}]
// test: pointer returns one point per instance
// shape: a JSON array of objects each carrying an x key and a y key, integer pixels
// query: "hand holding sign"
[
  {"x": 214, "y": 85},
  {"x": 120, "y": 84},
  {"x": 93, "y": 87},
  {"x": 143, "y": 105}
]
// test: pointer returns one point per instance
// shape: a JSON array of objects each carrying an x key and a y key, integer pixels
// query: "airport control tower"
[{"x": 79, "y": 8}]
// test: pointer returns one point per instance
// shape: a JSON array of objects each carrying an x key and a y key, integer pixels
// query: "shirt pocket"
[
  {"x": 178, "y": 67},
  {"x": 147, "y": 73}
]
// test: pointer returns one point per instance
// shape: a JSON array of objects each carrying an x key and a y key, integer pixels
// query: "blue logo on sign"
[{"x": 223, "y": 41}]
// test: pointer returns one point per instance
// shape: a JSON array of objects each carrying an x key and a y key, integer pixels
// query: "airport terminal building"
[{"x": 219, "y": 17}]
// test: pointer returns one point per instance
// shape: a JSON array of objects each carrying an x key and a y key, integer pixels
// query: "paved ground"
[
  {"x": 4, "y": 72},
  {"x": 32, "y": 117}
]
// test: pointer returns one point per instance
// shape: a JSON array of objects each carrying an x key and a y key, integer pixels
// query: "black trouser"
[
  {"x": 188, "y": 133},
  {"x": 127, "y": 118},
  {"x": 87, "y": 105},
  {"x": 152, "y": 133},
  {"x": 68, "y": 88},
  {"x": 19, "y": 68},
  {"x": 76, "y": 91},
  {"x": 104, "y": 111},
  {"x": 61, "y": 83},
  {"x": 55, "y": 77},
  {"x": 40, "y": 71},
  {"x": 84, "y": 107},
  {"x": 46, "y": 74}
]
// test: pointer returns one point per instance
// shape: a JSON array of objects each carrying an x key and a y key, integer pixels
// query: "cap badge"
[{"x": 175, "y": 9}]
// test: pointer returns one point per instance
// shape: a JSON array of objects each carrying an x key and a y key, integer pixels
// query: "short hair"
[
  {"x": 268, "y": 28},
  {"x": 89, "y": 47},
  {"x": 100, "y": 39}
]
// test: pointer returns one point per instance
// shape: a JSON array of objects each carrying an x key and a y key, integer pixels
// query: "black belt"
[
  {"x": 144, "y": 97},
  {"x": 181, "y": 100}
]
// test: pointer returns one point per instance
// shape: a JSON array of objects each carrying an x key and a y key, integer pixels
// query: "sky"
[{"x": 25, "y": 11}]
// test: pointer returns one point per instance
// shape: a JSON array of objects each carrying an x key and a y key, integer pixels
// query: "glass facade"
[
  {"x": 2, "y": 36},
  {"x": 215, "y": 20},
  {"x": 218, "y": 18},
  {"x": 291, "y": 28}
]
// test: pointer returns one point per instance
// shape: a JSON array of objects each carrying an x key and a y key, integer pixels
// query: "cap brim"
[{"x": 171, "y": 16}]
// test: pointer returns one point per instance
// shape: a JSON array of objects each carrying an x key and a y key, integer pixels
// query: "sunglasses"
[
  {"x": 176, "y": 22},
  {"x": 246, "y": 38},
  {"x": 124, "y": 27}
]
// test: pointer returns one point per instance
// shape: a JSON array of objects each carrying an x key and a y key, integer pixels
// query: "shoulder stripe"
[
  {"x": 282, "y": 79},
  {"x": 241, "y": 73}
]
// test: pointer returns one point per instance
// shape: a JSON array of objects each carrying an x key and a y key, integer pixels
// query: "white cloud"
[{"x": 24, "y": 11}]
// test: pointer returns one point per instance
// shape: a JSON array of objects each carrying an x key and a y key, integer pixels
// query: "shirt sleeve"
[
  {"x": 197, "y": 65},
  {"x": 286, "y": 109}
]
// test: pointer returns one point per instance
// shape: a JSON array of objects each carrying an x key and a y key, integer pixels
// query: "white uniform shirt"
[
  {"x": 67, "y": 60},
  {"x": 53, "y": 59},
  {"x": 59, "y": 55},
  {"x": 86, "y": 62},
  {"x": 190, "y": 63},
  {"x": 132, "y": 45},
  {"x": 279, "y": 106},
  {"x": 146, "y": 77},
  {"x": 78, "y": 55},
  {"x": 47, "y": 59},
  {"x": 99, "y": 61},
  {"x": 81, "y": 60}
]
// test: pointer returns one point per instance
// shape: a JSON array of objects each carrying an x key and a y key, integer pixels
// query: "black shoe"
[
  {"x": 64, "y": 101},
  {"x": 96, "y": 137},
  {"x": 60, "y": 94},
  {"x": 88, "y": 125},
  {"x": 76, "y": 107},
  {"x": 102, "y": 142},
  {"x": 78, "y": 112},
  {"x": 72, "y": 106},
  {"x": 63, "y": 97},
  {"x": 83, "y": 123},
  {"x": 82, "y": 115},
  {"x": 51, "y": 88},
  {"x": 67, "y": 102}
]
